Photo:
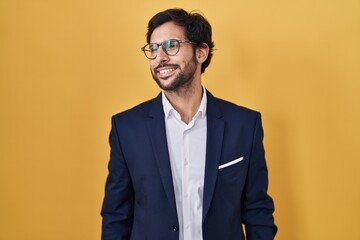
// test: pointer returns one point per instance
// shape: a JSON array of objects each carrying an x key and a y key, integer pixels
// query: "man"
[{"x": 185, "y": 165}]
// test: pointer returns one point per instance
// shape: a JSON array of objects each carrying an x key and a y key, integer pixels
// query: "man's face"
[{"x": 173, "y": 72}]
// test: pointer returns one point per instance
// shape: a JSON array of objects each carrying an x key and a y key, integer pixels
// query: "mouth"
[{"x": 165, "y": 71}]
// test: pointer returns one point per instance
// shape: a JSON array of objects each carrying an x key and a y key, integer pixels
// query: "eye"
[
  {"x": 172, "y": 44},
  {"x": 153, "y": 47}
]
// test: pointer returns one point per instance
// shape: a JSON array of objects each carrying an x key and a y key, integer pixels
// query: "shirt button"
[{"x": 175, "y": 228}]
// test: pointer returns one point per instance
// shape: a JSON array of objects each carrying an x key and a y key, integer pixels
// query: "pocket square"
[{"x": 231, "y": 162}]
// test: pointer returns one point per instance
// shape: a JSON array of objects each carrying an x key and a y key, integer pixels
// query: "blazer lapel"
[
  {"x": 215, "y": 132},
  {"x": 157, "y": 134}
]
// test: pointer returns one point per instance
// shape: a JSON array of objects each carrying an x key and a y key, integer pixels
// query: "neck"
[{"x": 186, "y": 101}]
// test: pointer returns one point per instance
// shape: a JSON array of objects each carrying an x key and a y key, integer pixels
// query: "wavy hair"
[{"x": 197, "y": 28}]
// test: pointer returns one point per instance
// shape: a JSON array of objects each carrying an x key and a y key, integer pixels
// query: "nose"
[{"x": 161, "y": 56}]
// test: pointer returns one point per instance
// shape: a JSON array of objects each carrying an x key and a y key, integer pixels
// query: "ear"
[{"x": 202, "y": 53}]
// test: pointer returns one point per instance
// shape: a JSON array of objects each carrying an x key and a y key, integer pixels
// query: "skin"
[{"x": 180, "y": 75}]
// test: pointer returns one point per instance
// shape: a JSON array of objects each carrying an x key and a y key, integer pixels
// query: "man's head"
[{"x": 197, "y": 29}]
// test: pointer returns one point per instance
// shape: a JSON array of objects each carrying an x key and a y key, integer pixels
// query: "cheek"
[{"x": 152, "y": 66}]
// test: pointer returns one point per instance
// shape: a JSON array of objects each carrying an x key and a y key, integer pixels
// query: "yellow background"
[{"x": 67, "y": 65}]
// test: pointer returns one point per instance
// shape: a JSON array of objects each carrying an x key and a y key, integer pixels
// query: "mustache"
[{"x": 165, "y": 65}]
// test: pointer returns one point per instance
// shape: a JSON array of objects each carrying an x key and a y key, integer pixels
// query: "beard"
[{"x": 182, "y": 80}]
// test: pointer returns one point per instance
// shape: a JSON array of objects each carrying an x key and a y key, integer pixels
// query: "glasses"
[{"x": 171, "y": 47}]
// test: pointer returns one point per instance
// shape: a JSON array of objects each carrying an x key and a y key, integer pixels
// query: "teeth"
[{"x": 166, "y": 70}]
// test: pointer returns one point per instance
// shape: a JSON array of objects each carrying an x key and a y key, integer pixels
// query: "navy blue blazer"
[{"x": 139, "y": 201}]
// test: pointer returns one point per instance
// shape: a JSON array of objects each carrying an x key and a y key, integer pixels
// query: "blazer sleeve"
[
  {"x": 258, "y": 207},
  {"x": 117, "y": 209}
]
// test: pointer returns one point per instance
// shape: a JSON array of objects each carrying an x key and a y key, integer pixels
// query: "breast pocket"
[
  {"x": 232, "y": 168},
  {"x": 228, "y": 164}
]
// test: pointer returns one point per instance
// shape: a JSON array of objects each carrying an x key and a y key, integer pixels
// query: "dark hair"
[{"x": 197, "y": 28}]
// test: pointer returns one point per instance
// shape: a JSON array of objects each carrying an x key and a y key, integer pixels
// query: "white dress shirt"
[{"x": 187, "y": 150}]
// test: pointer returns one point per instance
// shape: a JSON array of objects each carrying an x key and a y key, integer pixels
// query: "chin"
[
  {"x": 165, "y": 84},
  {"x": 169, "y": 87}
]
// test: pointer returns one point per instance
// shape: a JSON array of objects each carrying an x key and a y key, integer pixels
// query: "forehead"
[{"x": 167, "y": 31}]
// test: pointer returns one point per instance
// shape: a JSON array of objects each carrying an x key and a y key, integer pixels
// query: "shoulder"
[
  {"x": 233, "y": 107},
  {"x": 139, "y": 111},
  {"x": 230, "y": 110},
  {"x": 238, "y": 118}
]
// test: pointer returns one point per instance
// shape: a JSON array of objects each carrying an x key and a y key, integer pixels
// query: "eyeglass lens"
[{"x": 170, "y": 47}]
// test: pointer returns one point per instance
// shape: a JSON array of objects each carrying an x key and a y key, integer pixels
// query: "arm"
[
  {"x": 117, "y": 209},
  {"x": 258, "y": 206}
]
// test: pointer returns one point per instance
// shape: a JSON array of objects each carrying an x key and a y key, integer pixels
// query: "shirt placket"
[{"x": 186, "y": 187}]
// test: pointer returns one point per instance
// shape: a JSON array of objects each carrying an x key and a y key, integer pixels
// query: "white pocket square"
[{"x": 231, "y": 162}]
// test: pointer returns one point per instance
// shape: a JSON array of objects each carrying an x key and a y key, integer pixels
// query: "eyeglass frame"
[{"x": 162, "y": 44}]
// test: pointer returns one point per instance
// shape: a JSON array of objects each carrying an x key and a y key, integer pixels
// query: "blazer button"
[{"x": 175, "y": 228}]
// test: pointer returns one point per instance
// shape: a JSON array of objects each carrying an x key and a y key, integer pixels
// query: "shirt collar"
[{"x": 169, "y": 109}]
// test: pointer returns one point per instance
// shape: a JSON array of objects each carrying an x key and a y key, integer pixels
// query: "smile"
[{"x": 167, "y": 70}]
